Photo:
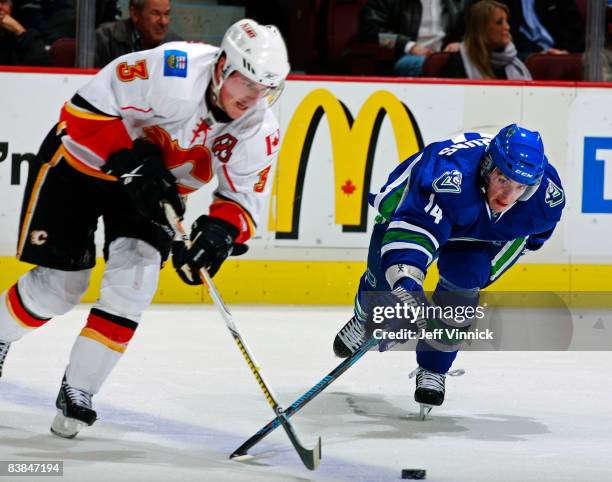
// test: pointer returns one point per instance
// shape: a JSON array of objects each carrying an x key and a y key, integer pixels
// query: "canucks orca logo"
[
  {"x": 450, "y": 181},
  {"x": 554, "y": 195}
]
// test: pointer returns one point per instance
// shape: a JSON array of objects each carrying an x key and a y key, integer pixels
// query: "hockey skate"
[
  {"x": 350, "y": 338},
  {"x": 430, "y": 388},
  {"x": 4, "y": 348},
  {"x": 74, "y": 411}
]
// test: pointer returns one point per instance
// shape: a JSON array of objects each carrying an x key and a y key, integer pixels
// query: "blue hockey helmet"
[{"x": 519, "y": 154}]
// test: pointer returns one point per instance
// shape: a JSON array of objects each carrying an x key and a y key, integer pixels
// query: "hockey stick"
[
  {"x": 310, "y": 457},
  {"x": 304, "y": 399}
]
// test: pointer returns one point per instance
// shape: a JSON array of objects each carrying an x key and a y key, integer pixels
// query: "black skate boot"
[
  {"x": 4, "y": 348},
  {"x": 429, "y": 391},
  {"x": 350, "y": 338},
  {"x": 73, "y": 411}
]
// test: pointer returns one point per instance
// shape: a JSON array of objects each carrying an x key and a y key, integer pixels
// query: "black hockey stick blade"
[{"x": 310, "y": 457}]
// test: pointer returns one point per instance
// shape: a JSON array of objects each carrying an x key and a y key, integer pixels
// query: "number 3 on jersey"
[
  {"x": 127, "y": 73},
  {"x": 433, "y": 209}
]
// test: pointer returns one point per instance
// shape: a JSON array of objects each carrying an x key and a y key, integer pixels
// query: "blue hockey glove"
[
  {"x": 536, "y": 241},
  {"x": 398, "y": 308}
]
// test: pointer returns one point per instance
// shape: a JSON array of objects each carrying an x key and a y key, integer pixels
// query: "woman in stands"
[{"x": 487, "y": 51}]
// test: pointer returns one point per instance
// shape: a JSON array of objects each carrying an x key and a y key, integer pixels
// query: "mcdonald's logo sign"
[{"x": 353, "y": 147}]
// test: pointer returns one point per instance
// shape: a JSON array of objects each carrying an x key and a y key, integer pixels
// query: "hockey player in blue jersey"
[{"x": 475, "y": 203}]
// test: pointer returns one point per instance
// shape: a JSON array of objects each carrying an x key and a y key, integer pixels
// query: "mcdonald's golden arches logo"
[{"x": 353, "y": 148}]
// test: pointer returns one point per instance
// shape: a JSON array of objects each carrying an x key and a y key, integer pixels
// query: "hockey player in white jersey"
[{"x": 152, "y": 125}]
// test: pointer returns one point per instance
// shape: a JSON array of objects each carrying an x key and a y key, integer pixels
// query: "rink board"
[
  {"x": 340, "y": 138},
  {"x": 331, "y": 282}
]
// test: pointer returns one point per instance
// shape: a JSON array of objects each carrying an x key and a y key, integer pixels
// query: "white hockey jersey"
[{"x": 160, "y": 94}]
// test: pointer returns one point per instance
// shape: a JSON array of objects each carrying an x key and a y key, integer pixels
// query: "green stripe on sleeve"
[
  {"x": 393, "y": 235},
  {"x": 507, "y": 255}
]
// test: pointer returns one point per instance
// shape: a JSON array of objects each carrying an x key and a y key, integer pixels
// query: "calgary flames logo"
[
  {"x": 38, "y": 238},
  {"x": 175, "y": 156}
]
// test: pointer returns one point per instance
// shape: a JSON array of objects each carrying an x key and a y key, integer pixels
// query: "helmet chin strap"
[
  {"x": 530, "y": 191},
  {"x": 215, "y": 93},
  {"x": 216, "y": 86}
]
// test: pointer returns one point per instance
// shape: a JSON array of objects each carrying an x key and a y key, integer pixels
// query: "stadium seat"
[
  {"x": 63, "y": 52},
  {"x": 338, "y": 37},
  {"x": 339, "y": 30},
  {"x": 302, "y": 35},
  {"x": 555, "y": 67},
  {"x": 434, "y": 63}
]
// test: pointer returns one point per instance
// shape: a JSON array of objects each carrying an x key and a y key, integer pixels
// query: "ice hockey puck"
[{"x": 414, "y": 474}]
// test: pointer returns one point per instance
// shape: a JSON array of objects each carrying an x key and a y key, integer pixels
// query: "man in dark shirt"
[
  {"x": 546, "y": 26},
  {"x": 413, "y": 28},
  {"x": 54, "y": 19},
  {"x": 19, "y": 45},
  {"x": 146, "y": 28}
]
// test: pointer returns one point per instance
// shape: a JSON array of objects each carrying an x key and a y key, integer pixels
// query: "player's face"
[
  {"x": 152, "y": 21},
  {"x": 503, "y": 192},
  {"x": 498, "y": 30},
  {"x": 239, "y": 94}
]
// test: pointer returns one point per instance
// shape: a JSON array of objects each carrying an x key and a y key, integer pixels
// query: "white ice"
[{"x": 182, "y": 399}]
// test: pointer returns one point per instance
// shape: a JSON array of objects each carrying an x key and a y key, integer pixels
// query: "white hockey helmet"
[{"x": 256, "y": 51}]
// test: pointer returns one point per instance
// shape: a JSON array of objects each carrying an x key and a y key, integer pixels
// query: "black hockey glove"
[
  {"x": 145, "y": 178},
  {"x": 212, "y": 241}
]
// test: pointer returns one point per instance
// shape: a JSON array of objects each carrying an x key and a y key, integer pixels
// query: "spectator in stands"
[
  {"x": 413, "y": 28},
  {"x": 546, "y": 26},
  {"x": 18, "y": 45},
  {"x": 54, "y": 19},
  {"x": 146, "y": 28},
  {"x": 487, "y": 51}
]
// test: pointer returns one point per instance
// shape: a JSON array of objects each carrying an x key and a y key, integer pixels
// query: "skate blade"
[
  {"x": 65, "y": 427},
  {"x": 424, "y": 411}
]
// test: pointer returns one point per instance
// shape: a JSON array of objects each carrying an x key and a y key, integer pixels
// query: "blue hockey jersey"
[{"x": 436, "y": 196}]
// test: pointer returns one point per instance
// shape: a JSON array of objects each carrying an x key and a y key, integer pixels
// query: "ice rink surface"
[{"x": 182, "y": 399}]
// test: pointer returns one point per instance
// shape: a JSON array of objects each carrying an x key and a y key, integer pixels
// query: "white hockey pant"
[
  {"x": 128, "y": 286},
  {"x": 38, "y": 296}
]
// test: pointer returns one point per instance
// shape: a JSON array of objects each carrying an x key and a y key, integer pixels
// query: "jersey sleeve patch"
[
  {"x": 554, "y": 194},
  {"x": 449, "y": 181},
  {"x": 175, "y": 63}
]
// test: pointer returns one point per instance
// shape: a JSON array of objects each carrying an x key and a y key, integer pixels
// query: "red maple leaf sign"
[{"x": 348, "y": 187}]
